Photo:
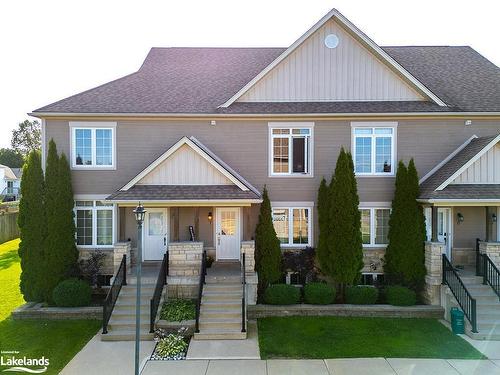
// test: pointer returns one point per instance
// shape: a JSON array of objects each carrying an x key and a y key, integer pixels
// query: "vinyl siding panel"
[
  {"x": 314, "y": 72},
  {"x": 486, "y": 170}
]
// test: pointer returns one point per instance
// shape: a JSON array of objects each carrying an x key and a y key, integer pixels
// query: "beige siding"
[
  {"x": 314, "y": 72},
  {"x": 473, "y": 226},
  {"x": 485, "y": 170},
  {"x": 185, "y": 167}
]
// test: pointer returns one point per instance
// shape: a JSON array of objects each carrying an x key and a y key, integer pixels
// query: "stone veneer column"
[
  {"x": 121, "y": 249},
  {"x": 492, "y": 249},
  {"x": 184, "y": 269},
  {"x": 248, "y": 247},
  {"x": 434, "y": 266}
]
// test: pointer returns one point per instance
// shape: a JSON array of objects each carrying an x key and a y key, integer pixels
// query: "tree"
[
  {"x": 32, "y": 226},
  {"x": 346, "y": 247},
  {"x": 27, "y": 137},
  {"x": 268, "y": 256},
  {"x": 322, "y": 249},
  {"x": 405, "y": 257},
  {"x": 11, "y": 158}
]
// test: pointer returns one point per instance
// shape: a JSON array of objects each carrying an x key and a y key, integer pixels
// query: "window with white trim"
[
  {"x": 375, "y": 226},
  {"x": 290, "y": 150},
  {"x": 92, "y": 147},
  {"x": 292, "y": 225},
  {"x": 373, "y": 150},
  {"x": 94, "y": 223}
]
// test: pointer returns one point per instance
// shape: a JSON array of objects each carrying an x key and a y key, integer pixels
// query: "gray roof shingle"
[
  {"x": 198, "y": 80},
  {"x": 477, "y": 191}
]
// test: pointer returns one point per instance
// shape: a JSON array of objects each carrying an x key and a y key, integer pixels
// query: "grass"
[
  {"x": 343, "y": 337},
  {"x": 58, "y": 341}
]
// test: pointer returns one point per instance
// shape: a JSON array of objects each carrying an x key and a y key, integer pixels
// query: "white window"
[
  {"x": 373, "y": 148},
  {"x": 92, "y": 145},
  {"x": 290, "y": 149},
  {"x": 94, "y": 223},
  {"x": 375, "y": 226},
  {"x": 293, "y": 225}
]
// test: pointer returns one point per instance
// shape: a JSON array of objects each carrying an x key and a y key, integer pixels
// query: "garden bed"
[
  {"x": 388, "y": 311},
  {"x": 39, "y": 311}
]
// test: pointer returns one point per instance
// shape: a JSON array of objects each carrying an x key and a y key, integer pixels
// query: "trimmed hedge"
[
  {"x": 400, "y": 296},
  {"x": 72, "y": 293},
  {"x": 282, "y": 294},
  {"x": 319, "y": 294},
  {"x": 361, "y": 295}
]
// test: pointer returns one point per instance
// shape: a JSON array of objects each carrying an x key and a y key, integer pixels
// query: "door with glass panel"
[
  {"x": 227, "y": 233},
  {"x": 155, "y": 234},
  {"x": 444, "y": 229}
]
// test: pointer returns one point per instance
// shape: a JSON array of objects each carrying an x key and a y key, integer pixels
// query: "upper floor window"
[
  {"x": 92, "y": 145},
  {"x": 292, "y": 225},
  {"x": 94, "y": 223},
  {"x": 290, "y": 149},
  {"x": 374, "y": 149},
  {"x": 375, "y": 226}
]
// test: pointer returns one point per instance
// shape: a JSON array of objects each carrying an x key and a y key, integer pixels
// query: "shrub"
[
  {"x": 362, "y": 295},
  {"x": 72, "y": 293},
  {"x": 302, "y": 262},
  {"x": 176, "y": 310},
  {"x": 173, "y": 346},
  {"x": 282, "y": 294},
  {"x": 400, "y": 296},
  {"x": 319, "y": 294}
]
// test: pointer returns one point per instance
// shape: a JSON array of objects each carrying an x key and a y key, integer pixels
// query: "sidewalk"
[{"x": 357, "y": 366}]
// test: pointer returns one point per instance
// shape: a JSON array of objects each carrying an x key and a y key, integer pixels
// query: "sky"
[{"x": 51, "y": 49}]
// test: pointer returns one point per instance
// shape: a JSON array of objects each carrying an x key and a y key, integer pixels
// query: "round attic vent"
[{"x": 331, "y": 41}]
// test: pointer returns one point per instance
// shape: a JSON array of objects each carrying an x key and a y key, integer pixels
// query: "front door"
[
  {"x": 227, "y": 233},
  {"x": 155, "y": 234},
  {"x": 444, "y": 229}
]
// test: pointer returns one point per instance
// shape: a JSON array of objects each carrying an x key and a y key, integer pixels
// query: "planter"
[
  {"x": 33, "y": 310},
  {"x": 173, "y": 327}
]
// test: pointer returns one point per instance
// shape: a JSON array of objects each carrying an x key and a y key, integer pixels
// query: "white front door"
[
  {"x": 444, "y": 229},
  {"x": 227, "y": 233},
  {"x": 155, "y": 234}
]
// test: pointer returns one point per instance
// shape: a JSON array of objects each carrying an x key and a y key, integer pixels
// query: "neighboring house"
[
  {"x": 10, "y": 183},
  {"x": 196, "y": 133}
]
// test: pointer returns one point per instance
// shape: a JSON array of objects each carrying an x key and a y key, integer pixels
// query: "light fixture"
[
  {"x": 213, "y": 122},
  {"x": 139, "y": 213},
  {"x": 460, "y": 218},
  {"x": 210, "y": 217},
  {"x": 494, "y": 218}
]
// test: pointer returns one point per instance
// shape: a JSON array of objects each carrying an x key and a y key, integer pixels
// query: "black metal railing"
[
  {"x": 462, "y": 295},
  {"x": 243, "y": 298},
  {"x": 491, "y": 274},
  {"x": 203, "y": 272},
  {"x": 110, "y": 301},
  {"x": 160, "y": 284},
  {"x": 479, "y": 263}
]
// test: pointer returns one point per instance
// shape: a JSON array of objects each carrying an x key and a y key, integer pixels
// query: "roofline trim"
[
  {"x": 185, "y": 202},
  {"x": 365, "y": 39},
  {"x": 457, "y": 202},
  {"x": 469, "y": 163}
]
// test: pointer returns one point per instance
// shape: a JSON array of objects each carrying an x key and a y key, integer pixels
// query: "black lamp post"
[{"x": 140, "y": 213}]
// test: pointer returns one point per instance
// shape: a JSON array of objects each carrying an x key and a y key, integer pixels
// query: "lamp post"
[{"x": 139, "y": 212}]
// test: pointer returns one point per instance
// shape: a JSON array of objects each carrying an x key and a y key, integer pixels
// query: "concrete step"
[
  {"x": 128, "y": 315},
  {"x": 147, "y": 289},
  {"x": 129, "y": 298},
  {"x": 222, "y": 279},
  {"x": 223, "y": 287},
  {"x": 220, "y": 324},
  {"x": 220, "y": 313},
  {"x": 129, "y": 324},
  {"x": 126, "y": 335},
  {"x": 221, "y": 295},
  {"x": 211, "y": 304},
  {"x": 470, "y": 280},
  {"x": 220, "y": 335},
  {"x": 488, "y": 314},
  {"x": 130, "y": 306}
]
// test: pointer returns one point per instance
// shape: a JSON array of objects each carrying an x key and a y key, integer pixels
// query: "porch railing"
[
  {"x": 479, "y": 263},
  {"x": 203, "y": 272},
  {"x": 243, "y": 299},
  {"x": 490, "y": 273},
  {"x": 462, "y": 295},
  {"x": 110, "y": 301},
  {"x": 160, "y": 284}
]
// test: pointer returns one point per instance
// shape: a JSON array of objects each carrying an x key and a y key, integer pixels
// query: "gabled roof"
[
  {"x": 436, "y": 184},
  {"x": 9, "y": 174}
]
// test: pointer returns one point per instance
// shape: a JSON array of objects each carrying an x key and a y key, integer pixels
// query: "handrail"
[
  {"x": 491, "y": 274},
  {"x": 203, "y": 271},
  {"x": 160, "y": 283},
  {"x": 110, "y": 301},
  {"x": 243, "y": 299},
  {"x": 462, "y": 295},
  {"x": 479, "y": 264}
]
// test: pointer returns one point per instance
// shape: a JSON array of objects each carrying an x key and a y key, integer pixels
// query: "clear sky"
[{"x": 53, "y": 49}]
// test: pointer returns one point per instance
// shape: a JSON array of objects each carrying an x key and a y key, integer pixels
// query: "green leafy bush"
[
  {"x": 319, "y": 294},
  {"x": 176, "y": 310},
  {"x": 172, "y": 346},
  {"x": 282, "y": 294},
  {"x": 400, "y": 296},
  {"x": 72, "y": 293},
  {"x": 361, "y": 295}
]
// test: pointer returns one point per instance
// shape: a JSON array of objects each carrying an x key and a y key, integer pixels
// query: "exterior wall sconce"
[
  {"x": 460, "y": 218},
  {"x": 210, "y": 217},
  {"x": 494, "y": 218}
]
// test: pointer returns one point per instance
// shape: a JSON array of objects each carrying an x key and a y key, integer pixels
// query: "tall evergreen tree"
[
  {"x": 32, "y": 226},
  {"x": 345, "y": 225},
  {"x": 322, "y": 250},
  {"x": 268, "y": 257}
]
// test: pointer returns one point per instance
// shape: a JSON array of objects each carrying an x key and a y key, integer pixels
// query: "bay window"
[
  {"x": 292, "y": 225},
  {"x": 92, "y": 146},
  {"x": 375, "y": 226},
  {"x": 94, "y": 223},
  {"x": 373, "y": 149}
]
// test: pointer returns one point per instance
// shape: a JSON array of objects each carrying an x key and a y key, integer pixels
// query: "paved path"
[{"x": 358, "y": 366}]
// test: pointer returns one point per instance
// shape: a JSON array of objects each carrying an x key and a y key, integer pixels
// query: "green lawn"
[
  {"x": 342, "y": 337},
  {"x": 58, "y": 341}
]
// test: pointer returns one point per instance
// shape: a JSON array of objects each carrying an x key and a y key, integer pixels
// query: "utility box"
[{"x": 457, "y": 320}]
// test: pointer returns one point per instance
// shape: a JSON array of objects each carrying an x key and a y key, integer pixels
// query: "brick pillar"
[
  {"x": 492, "y": 249},
  {"x": 434, "y": 266},
  {"x": 121, "y": 249},
  {"x": 248, "y": 247}
]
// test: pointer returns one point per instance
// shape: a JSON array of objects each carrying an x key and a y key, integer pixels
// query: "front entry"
[
  {"x": 155, "y": 234},
  {"x": 444, "y": 229},
  {"x": 227, "y": 233}
]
